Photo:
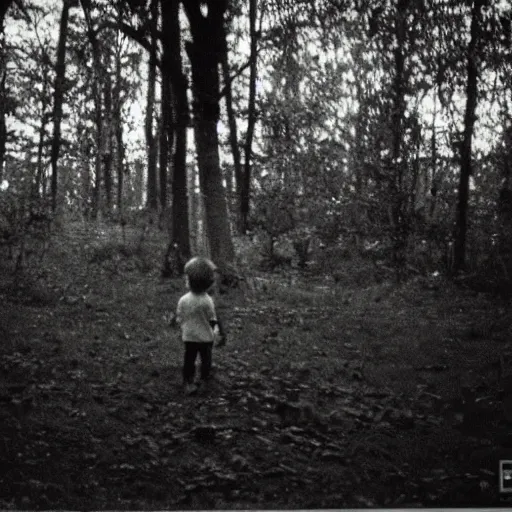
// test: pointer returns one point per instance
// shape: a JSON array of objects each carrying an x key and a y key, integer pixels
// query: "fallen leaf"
[
  {"x": 351, "y": 411},
  {"x": 330, "y": 455}
]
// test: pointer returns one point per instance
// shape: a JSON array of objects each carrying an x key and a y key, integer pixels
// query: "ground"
[{"x": 327, "y": 394}]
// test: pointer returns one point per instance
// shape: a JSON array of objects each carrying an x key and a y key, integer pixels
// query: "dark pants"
[{"x": 189, "y": 364}]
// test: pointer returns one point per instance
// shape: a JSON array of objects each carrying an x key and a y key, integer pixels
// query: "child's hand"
[
  {"x": 171, "y": 319},
  {"x": 218, "y": 339},
  {"x": 216, "y": 334}
]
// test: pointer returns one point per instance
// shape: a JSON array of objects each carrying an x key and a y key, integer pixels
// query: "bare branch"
[
  {"x": 231, "y": 79},
  {"x": 137, "y": 35}
]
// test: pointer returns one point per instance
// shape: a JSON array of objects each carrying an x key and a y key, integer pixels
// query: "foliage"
[
  {"x": 29, "y": 80},
  {"x": 25, "y": 225},
  {"x": 119, "y": 256},
  {"x": 358, "y": 121},
  {"x": 328, "y": 119}
]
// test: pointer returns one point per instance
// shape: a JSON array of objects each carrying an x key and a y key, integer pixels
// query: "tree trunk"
[
  {"x": 85, "y": 176},
  {"x": 107, "y": 141},
  {"x": 3, "y": 113},
  {"x": 172, "y": 84},
  {"x": 98, "y": 108},
  {"x": 251, "y": 121},
  {"x": 459, "y": 262},
  {"x": 359, "y": 136},
  {"x": 165, "y": 115},
  {"x": 98, "y": 118},
  {"x": 213, "y": 193},
  {"x": 397, "y": 186},
  {"x": 39, "y": 186},
  {"x": 118, "y": 127},
  {"x": 171, "y": 134},
  {"x": 192, "y": 208},
  {"x": 433, "y": 182},
  {"x": 40, "y": 182},
  {"x": 505, "y": 212},
  {"x": 4, "y": 6},
  {"x": 138, "y": 180},
  {"x": 170, "y": 10},
  {"x": 152, "y": 197},
  {"x": 173, "y": 68},
  {"x": 60, "y": 73},
  {"x": 233, "y": 140},
  {"x": 205, "y": 55},
  {"x": 357, "y": 153},
  {"x": 181, "y": 228},
  {"x": 120, "y": 165}
]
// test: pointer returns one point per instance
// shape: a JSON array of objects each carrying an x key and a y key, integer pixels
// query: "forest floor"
[{"x": 326, "y": 395}]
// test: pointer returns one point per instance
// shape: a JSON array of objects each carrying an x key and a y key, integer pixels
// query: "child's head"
[{"x": 200, "y": 273}]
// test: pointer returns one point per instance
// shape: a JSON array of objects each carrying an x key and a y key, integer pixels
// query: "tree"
[
  {"x": 205, "y": 53},
  {"x": 117, "y": 119},
  {"x": 26, "y": 97},
  {"x": 171, "y": 45},
  {"x": 152, "y": 150},
  {"x": 58, "y": 98},
  {"x": 98, "y": 105},
  {"x": 233, "y": 137},
  {"x": 3, "y": 92},
  {"x": 340, "y": 121},
  {"x": 45, "y": 104},
  {"x": 472, "y": 70},
  {"x": 251, "y": 121},
  {"x": 174, "y": 111},
  {"x": 172, "y": 69},
  {"x": 107, "y": 139},
  {"x": 397, "y": 128}
]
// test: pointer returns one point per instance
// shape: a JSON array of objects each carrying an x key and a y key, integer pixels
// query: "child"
[
  {"x": 203, "y": 266},
  {"x": 197, "y": 318}
]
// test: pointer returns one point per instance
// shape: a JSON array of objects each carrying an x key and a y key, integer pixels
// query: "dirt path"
[{"x": 323, "y": 397}]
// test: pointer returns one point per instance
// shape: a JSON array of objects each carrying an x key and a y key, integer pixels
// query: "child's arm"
[
  {"x": 174, "y": 319},
  {"x": 215, "y": 324},
  {"x": 219, "y": 337},
  {"x": 218, "y": 331}
]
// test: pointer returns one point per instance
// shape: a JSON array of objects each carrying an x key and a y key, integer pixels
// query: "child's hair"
[{"x": 201, "y": 274}]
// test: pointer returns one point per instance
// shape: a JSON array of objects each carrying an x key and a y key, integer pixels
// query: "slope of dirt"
[{"x": 325, "y": 395}]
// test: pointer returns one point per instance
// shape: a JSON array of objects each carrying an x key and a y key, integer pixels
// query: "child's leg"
[
  {"x": 206, "y": 359},
  {"x": 189, "y": 361}
]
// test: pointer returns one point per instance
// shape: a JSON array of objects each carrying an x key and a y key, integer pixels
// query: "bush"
[{"x": 117, "y": 256}]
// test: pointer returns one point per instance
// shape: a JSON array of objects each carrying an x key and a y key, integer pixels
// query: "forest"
[{"x": 346, "y": 164}]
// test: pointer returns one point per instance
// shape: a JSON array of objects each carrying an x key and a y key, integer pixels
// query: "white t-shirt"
[{"x": 194, "y": 313}]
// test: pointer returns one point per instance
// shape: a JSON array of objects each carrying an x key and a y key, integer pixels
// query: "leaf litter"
[{"x": 350, "y": 404}]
